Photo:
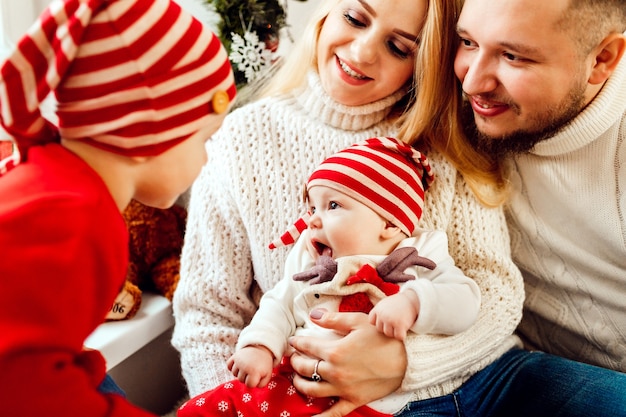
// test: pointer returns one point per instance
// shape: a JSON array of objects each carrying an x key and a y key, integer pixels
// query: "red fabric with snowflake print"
[{"x": 279, "y": 398}]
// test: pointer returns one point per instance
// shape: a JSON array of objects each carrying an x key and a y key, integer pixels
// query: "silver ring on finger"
[{"x": 315, "y": 376}]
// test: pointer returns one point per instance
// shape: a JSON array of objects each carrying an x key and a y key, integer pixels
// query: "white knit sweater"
[
  {"x": 568, "y": 226},
  {"x": 251, "y": 190}
]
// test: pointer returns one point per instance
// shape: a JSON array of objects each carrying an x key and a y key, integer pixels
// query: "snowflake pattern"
[
  {"x": 222, "y": 406},
  {"x": 238, "y": 400},
  {"x": 250, "y": 54},
  {"x": 272, "y": 384}
]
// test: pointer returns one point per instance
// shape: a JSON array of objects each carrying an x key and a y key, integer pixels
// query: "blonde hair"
[
  {"x": 431, "y": 112},
  {"x": 434, "y": 121},
  {"x": 291, "y": 73}
]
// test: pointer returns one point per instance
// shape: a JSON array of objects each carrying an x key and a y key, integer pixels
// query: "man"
[{"x": 546, "y": 84}]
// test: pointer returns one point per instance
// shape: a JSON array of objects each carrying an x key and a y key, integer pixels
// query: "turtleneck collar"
[
  {"x": 320, "y": 105},
  {"x": 604, "y": 111}
]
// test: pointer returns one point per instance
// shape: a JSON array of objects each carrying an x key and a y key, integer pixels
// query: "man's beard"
[{"x": 546, "y": 125}]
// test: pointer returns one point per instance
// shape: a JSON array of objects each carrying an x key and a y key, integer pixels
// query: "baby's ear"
[{"x": 390, "y": 230}]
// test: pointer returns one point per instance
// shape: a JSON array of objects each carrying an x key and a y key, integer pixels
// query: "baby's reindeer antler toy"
[{"x": 391, "y": 269}]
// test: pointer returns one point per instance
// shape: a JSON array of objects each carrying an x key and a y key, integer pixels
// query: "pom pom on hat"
[
  {"x": 385, "y": 174},
  {"x": 134, "y": 77}
]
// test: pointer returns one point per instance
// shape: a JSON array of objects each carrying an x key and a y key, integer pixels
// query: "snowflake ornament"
[{"x": 250, "y": 54}]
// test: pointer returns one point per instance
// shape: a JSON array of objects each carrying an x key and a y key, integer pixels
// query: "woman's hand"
[{"x": 361, "y": 367}]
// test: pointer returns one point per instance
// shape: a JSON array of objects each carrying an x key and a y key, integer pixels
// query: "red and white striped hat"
[
  {"x": 385, "y": 174},
  {"x": 134, "y": 77}
]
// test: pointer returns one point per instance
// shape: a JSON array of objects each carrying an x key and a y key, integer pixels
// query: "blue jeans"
[
  {"x": 531, "y": 384},
  {"x": 109, "y": 386}
]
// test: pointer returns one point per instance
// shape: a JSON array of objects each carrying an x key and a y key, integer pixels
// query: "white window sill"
[{"x": 118, "y": 340}]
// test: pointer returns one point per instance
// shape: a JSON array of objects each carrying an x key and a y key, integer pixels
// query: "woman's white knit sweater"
[{"x": 250, "y": 191}]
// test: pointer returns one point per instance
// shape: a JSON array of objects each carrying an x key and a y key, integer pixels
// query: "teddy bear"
[{"x": 155, "y": 242}]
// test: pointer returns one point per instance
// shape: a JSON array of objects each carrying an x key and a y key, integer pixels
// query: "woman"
[{"x": 350, "y": 79}]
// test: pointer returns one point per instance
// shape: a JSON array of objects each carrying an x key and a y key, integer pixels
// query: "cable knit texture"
[
  {"x": 569, "y": 233},
  {"x": 251, "y": 190}
]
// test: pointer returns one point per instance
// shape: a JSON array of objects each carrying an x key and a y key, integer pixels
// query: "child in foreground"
[
  {"x": 360, "y": 250},
  {"x": 140, "y": 86}
]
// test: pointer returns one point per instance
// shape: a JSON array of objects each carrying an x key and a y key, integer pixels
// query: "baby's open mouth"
[{"x": 322, "y": 249}]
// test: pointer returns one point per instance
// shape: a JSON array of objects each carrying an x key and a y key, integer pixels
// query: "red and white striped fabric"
[
  {"x": 134, "y": 77},
  {"x": 293, "y": 232},
  {"x": 385, "y": 174}
]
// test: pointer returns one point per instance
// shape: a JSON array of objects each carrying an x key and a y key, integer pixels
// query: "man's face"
[{"x": 521, "y": 72}]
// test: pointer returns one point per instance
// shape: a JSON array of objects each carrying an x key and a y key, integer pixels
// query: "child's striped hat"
[
  {"x": 134, "y": 77},
  {"x": 385, "y": 174}
]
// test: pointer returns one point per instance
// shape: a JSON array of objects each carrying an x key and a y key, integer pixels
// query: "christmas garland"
[{"x": 249, "y": 29}]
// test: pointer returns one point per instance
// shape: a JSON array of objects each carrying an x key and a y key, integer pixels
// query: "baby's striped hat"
[
  {"x": 134, "y": 77},
  {"x": 385, "y": 174}
]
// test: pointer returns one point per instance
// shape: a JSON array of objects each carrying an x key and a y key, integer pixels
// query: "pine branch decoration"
[{"x": 263, "y": 18}]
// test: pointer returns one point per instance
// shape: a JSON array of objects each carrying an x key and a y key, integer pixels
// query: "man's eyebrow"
[
  {"x": 512, "y": 46},
  {"x": 521, "y": 48}
]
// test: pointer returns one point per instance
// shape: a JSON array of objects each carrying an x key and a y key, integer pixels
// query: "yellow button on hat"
[{"x": 220, "y": 101}]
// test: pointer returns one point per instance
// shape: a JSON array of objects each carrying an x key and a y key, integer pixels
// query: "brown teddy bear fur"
[{"x": 155, "y": 243}]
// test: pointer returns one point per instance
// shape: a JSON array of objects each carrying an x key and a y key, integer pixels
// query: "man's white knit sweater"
[
  {"x": 568, "y": 230},
  {"x": 251, "y": 190}
]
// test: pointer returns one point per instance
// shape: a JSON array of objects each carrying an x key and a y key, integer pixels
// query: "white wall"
[{"x": 16, "y": 18}]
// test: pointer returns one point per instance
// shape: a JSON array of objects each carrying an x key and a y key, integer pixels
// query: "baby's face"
[{"x": 342, "y": 226}]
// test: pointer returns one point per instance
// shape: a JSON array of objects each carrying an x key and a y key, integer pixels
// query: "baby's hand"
[
  {"x": 252, "y": 365},
  {"x": 394, "y": 315}
]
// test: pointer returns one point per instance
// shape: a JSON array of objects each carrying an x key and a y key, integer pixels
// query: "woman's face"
[{"x": 366, "y": 48}]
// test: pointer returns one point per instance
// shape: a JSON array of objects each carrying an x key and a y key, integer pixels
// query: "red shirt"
[{"x": 63, "y": 259}]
